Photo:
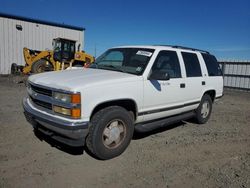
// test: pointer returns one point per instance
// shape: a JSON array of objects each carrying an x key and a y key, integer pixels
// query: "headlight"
[
  {"x": 77, "y": 56},
  {"x": 72, "y": 98},
  {"x": 62, "y": 97},
  {"x": 67, "y": 98}
]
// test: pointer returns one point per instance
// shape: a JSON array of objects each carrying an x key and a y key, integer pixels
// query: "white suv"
[{"x": 127, "y": 88}]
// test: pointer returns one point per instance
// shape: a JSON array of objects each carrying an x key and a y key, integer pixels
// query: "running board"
[{"x": 152, "y": 125}]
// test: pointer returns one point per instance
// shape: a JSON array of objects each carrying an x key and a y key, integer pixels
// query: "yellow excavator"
[{"x": 62, "y": 56}]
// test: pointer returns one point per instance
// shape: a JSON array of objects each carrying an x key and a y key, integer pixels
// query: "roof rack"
[{"x": 185, "y": 48}]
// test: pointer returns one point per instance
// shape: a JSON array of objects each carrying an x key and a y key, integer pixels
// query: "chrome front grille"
[
  {"x": 41, "y": 103},
  {"x": 41, "y": 90},
  {"x": 41, "y": 97}
]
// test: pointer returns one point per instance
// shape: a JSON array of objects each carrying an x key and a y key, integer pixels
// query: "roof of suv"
[{"x": 165, "y": 47}]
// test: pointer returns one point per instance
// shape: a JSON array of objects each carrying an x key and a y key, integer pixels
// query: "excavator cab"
[
  {"x": 64, "y": 50},
  {"x": 63, "y": 55}
]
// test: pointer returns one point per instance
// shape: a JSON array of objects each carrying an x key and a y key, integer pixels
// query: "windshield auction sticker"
[{"x": 145, "y": 53}]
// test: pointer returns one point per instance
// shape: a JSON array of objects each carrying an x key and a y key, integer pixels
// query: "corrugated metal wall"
[
  {"x": 34, "y": 36},
  {"x": 236, "y": 74}
]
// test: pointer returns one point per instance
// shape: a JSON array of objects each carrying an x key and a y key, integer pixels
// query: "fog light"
[
  {"x": 61, "y": 110},
  {"x": 74, "y": 113}
]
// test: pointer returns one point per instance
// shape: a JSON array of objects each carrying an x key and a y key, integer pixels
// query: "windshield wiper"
[
  {"x": 114, "y": 68},
  {"x": 96, "y": 65}
]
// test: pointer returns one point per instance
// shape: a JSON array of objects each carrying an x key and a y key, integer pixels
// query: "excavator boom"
[{"x": 31, "y": 56}]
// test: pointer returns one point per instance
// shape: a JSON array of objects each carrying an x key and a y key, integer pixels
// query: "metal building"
[
  {"x": 18, "y": 32},
  {"x": 236, "y": 74}
]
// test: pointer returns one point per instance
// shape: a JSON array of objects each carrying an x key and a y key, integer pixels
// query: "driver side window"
[{"x": 167, "y": 62}]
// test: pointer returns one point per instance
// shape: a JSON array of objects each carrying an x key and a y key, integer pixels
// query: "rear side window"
[
  {"x": 192, "y": 64},
  {"x": 212, "y": 65}
]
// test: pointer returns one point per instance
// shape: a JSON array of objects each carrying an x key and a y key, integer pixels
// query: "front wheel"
[
  {"x": 204, "y": 110},
  {"x": 40, "y": 66},
  {"x": 110, "y": 132}
]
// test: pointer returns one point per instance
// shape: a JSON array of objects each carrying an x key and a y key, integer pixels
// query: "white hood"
[{"x": 76, "y": 79}]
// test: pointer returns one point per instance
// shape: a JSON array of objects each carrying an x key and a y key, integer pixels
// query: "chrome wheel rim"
[
  {"x": 114, "y": 134},
  {"x": 205, "y": 109}
]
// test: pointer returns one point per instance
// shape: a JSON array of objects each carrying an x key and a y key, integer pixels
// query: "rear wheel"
[
  {"x": 14, "y": 68},
  {"x": 40, "y": 66},
  {"x": 110, "y": 132},
  {"x": 204, "y": 110}
]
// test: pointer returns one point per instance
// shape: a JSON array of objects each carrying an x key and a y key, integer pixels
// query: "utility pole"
[{"x": 95, "y": 49}]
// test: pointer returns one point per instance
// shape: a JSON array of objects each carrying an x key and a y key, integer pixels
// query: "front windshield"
[{"x": 128, "y": 60}]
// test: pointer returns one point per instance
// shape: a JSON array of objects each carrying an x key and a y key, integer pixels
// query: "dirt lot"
[{"x": 216, "y": 154}]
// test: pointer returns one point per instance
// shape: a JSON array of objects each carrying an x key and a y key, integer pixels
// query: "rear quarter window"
[{"x": 212, "y": 65}]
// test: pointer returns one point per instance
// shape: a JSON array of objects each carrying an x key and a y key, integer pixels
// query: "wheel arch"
[
  {"x": 129, "y": 104},
  {"x": 211, "y": 93}
]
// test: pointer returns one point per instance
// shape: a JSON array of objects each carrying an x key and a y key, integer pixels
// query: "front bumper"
[{"x": 68, "y": 132}]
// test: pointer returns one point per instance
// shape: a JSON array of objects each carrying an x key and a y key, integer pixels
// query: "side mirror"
[
  {"x": 158, "y": 75},
  {"x": 78, "y": 47}
]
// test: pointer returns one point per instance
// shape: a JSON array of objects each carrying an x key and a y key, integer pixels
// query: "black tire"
[
  {"x": 109, "y": 121},
  {"x": 204, "y": 110},
  {"x": 40, "y": 66},
  {"x": 14, "y": 68}
]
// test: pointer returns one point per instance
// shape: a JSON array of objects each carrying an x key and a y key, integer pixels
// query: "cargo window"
[
  {"x": 212, "y": 65},
  {"x": 192, "y": 64}
]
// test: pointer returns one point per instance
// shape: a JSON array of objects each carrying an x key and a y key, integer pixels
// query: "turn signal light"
[
  {"x": 76, "y": 98},
  {"x": 75, "y": 113}
]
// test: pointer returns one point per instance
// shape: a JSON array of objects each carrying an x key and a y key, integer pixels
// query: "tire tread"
[{"x": 100, "y": 117}]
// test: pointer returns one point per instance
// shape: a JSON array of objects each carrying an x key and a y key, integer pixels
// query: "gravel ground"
[{"x": 216, "y": 154}]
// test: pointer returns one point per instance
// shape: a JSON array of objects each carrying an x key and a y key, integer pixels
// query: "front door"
[{"x": 163, "y": 97}]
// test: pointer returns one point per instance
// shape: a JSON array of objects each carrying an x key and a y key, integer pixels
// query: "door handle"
[
  {"x": 182, "y": 85},
  {"x": 203, "y": 83}
]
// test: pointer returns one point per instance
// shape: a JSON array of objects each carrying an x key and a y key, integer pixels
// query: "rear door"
[{"x": 194, "y": 81}]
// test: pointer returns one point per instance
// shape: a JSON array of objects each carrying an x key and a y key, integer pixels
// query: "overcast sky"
[{"x": 219, "y": 26}]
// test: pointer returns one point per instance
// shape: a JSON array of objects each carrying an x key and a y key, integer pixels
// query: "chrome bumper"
[{"x": 68, "y": 132}]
